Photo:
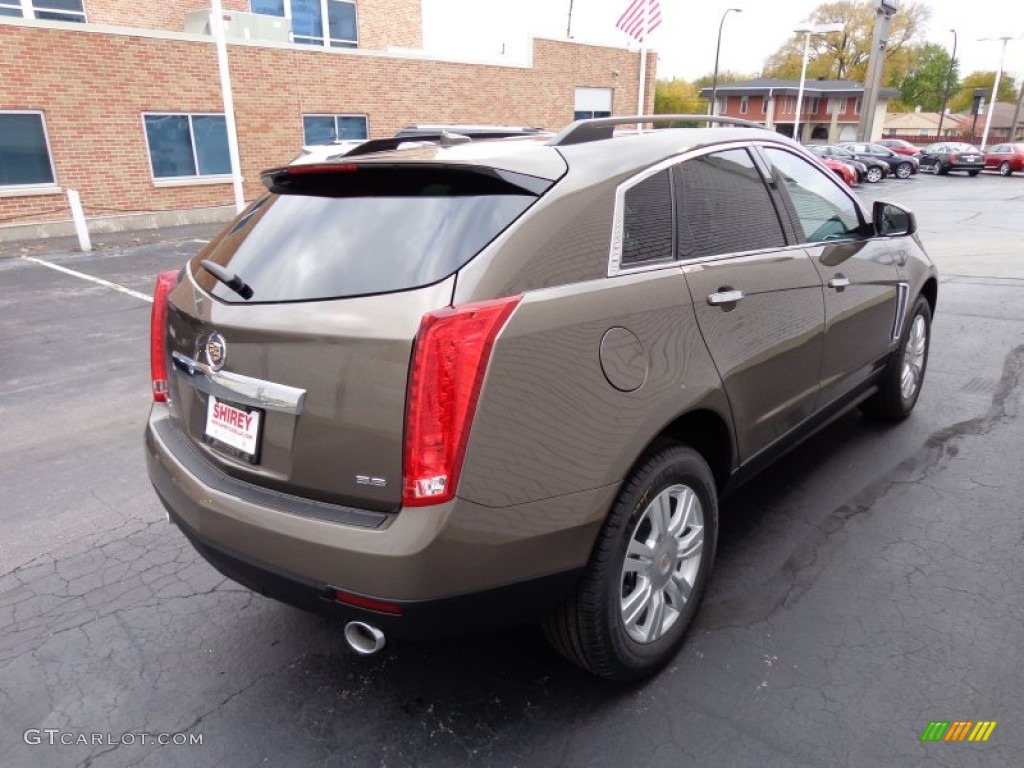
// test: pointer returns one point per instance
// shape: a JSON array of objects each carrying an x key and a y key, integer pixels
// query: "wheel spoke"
[
  {"x": 678, "y": 591},
  {"x": 639, "y": 557},
  {"x": 660, "y": 514},
  {"x": 633, "y": 606},
  {"x": 691, "y": 545},
  {"x": 655, "y": 617},
  {"x": 684, "y": 511}
]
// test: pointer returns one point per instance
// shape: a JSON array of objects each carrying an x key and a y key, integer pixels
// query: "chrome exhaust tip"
[{"x": 363, "y": 638}]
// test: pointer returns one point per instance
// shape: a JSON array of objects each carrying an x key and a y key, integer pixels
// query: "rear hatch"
[{"x": 301, "y": 385}]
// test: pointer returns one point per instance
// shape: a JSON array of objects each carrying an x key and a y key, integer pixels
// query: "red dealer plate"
[{"x": 234, "y": 429}]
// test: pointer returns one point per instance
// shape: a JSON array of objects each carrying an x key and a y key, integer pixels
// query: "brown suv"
[{"x": 441, "y": 388}]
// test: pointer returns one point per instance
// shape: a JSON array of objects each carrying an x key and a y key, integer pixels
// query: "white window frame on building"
[
  {"x": 592, "y": 102},
  {"x": 337, "y": 117},
  {"x": 744, "y": 104},
  {"x": 32, "y": 187},
  {"x": 196, "y": 178},
  {"x": 324, "y": 39},
  {"x": 811, "y": 105},
  {"x": 45, "y": 10}
]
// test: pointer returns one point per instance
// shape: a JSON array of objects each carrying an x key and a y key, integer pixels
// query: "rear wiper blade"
[{"x": 230, "y": 279}]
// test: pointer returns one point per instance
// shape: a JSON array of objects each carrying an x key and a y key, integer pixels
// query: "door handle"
[
  {"x": 725, "y": 297},
  {"x": 839, "y": 282}
]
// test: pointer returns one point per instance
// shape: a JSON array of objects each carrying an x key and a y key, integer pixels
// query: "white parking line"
[{"x": 83, "y": 276}]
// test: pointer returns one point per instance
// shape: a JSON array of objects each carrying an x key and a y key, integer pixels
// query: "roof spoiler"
[{"x": 596, "y": 129}]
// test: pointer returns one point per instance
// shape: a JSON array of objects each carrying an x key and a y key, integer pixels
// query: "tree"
[
  {"x": 963, "y": 99},
  {"x": 844, "y": 55},
  {"x": 677, "y": 96},
  {"x": 925, "y": 82}
]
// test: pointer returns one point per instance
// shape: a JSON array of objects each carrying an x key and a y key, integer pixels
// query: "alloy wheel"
[
  {"x": 903, "y": 171},
  {"x": 874, "y": 174},
  {"x": 913, "y": 358},
  {"x": 663, "y": 558}
]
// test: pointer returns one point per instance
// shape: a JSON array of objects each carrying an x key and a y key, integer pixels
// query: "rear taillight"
[
  {"x": 449, "y": 361},
  {"x": 165, "y": 281},
  {"x": 952, "y": 157}
]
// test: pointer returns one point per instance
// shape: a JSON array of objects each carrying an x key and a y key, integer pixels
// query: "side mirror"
[{"x": 892, "y": 221}]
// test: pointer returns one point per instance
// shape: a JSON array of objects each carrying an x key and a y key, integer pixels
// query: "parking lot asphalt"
[{"x": 867, "y": 584}]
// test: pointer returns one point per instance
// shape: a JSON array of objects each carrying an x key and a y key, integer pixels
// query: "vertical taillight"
[
  {"x": 952, "y": 157},
  {"x": 448, "y": 365},
  {"x": 165, "y": 281}
]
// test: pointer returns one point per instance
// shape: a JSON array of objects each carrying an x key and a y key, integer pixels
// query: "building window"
[
  {"x": 25, "y": 159},
  {"x": 744, "y": 104},
  {"x": 592, "y": 102},
  {"x": 48, "y": 10},
  {"x": 327, "y": 23},
  {"x": 764, "y": 105},
  {"x": 811, "y": 107},
  {"x": 187, "y": 146},
  {"x": 323, "y": 129},
  {"x": 856, "y": 106}
]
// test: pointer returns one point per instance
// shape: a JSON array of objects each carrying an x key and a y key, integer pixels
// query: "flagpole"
[{"x": 643, "y": 63}]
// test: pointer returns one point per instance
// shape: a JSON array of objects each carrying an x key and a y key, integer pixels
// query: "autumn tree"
[
  {"x": 963, "y": 99},
  {"x": 844, "y": 55},
  {"x": 925, "y": 81},
  {"x": 677, "y": 96}
]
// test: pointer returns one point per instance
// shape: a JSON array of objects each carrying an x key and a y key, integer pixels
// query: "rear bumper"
[{"x": 451, "y": 568}]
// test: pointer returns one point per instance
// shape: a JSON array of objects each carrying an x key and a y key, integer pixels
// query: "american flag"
[{"x": 632, "y": 21}]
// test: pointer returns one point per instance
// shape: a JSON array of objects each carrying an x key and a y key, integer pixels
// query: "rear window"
[{"x": 355, "y": 230}]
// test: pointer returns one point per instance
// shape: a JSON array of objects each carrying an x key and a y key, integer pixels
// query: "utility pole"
[
  {"x": 876, "y": 63},
  {"x": 568, "y": 27}
]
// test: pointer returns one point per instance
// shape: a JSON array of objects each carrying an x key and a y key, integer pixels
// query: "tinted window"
[
  {"x": 335, "y": 235},
  {"x": 823, "y": 210},
  {"x": 24, "y": 156},
  {"x": 647, "y": 221},
  {"x": 723, "y": 206}
]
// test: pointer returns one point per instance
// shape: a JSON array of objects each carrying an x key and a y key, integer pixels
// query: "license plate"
[{"x": 234, "y": 429}]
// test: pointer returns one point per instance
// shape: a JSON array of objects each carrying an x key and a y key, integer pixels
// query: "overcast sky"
[{"x": 685, "y": 42}]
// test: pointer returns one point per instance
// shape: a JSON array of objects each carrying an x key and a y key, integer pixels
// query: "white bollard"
[{"x": 78, "y": 216}]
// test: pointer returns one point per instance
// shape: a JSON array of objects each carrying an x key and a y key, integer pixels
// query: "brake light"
[
  {"x": 449, "y": 361},
  {"x": 952, "y": 157},
  {"x": 165, "y": 282}
]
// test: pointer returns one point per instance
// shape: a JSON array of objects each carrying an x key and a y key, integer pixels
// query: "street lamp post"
[
  {"x": 995, "y": 88},
  {"x": 718, "y": 50},
  {"x": 945, "y": 93},
  {"x": 821, "y": 29}
]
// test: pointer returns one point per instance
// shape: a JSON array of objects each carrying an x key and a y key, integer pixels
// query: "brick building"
[
  {"x": 116, "y": 100},
  {"x": 830, "y": 109}
]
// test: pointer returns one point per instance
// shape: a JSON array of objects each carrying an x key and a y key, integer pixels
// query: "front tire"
[
  {"x": 647, "y": 573},
  {"x": 1005, "y": 169},
  {"x": 904, "y": 374},
  {"x": 874, "y": 175},
  {"x": 903, "y": 171}
]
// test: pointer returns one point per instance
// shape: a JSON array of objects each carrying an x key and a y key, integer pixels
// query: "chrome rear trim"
[{"x": 238, "y": 388}]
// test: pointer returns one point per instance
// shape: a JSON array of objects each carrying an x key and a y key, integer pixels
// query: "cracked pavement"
[{"x": 868, "y": 583}]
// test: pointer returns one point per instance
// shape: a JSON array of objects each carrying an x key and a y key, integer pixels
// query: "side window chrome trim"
[{"x": 615, "y": 249}]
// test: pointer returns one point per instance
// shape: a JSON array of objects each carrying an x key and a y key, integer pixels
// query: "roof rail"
[{"x": 596, "y": 129}]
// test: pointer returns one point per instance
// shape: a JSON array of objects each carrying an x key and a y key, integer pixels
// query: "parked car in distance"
[
  {"x": 900, "y": 147},
  {"x": 459, "y": 385},
  {"x": 844, "y": 171},
  {"x": 868, "y": 169},
  {"x": 903, "y": 166},
  {"x": 946, "y": 156},
  {"x": 1005, "y": 158}
]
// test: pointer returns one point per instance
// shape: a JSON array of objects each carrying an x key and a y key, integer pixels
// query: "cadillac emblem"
[{"x": 215, "y": 350}]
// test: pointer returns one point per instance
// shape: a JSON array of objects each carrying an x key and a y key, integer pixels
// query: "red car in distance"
[
  {"x": 900, "y": 147},
  {"x": 846, "y": 172},
  {"x": 1005, "y": 158}
]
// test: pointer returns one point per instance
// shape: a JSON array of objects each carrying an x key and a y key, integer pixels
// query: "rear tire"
[
  {"x": 903, "y": 171},
  {"x": 1005, "y": 169},
  {"x": 972, "y": 174},
  {"x": 874, "y": 175},
  {"x": 941, "y": 169},
  {"x": 647, "y": 573},
  {"x": 904, "y": 373}
]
